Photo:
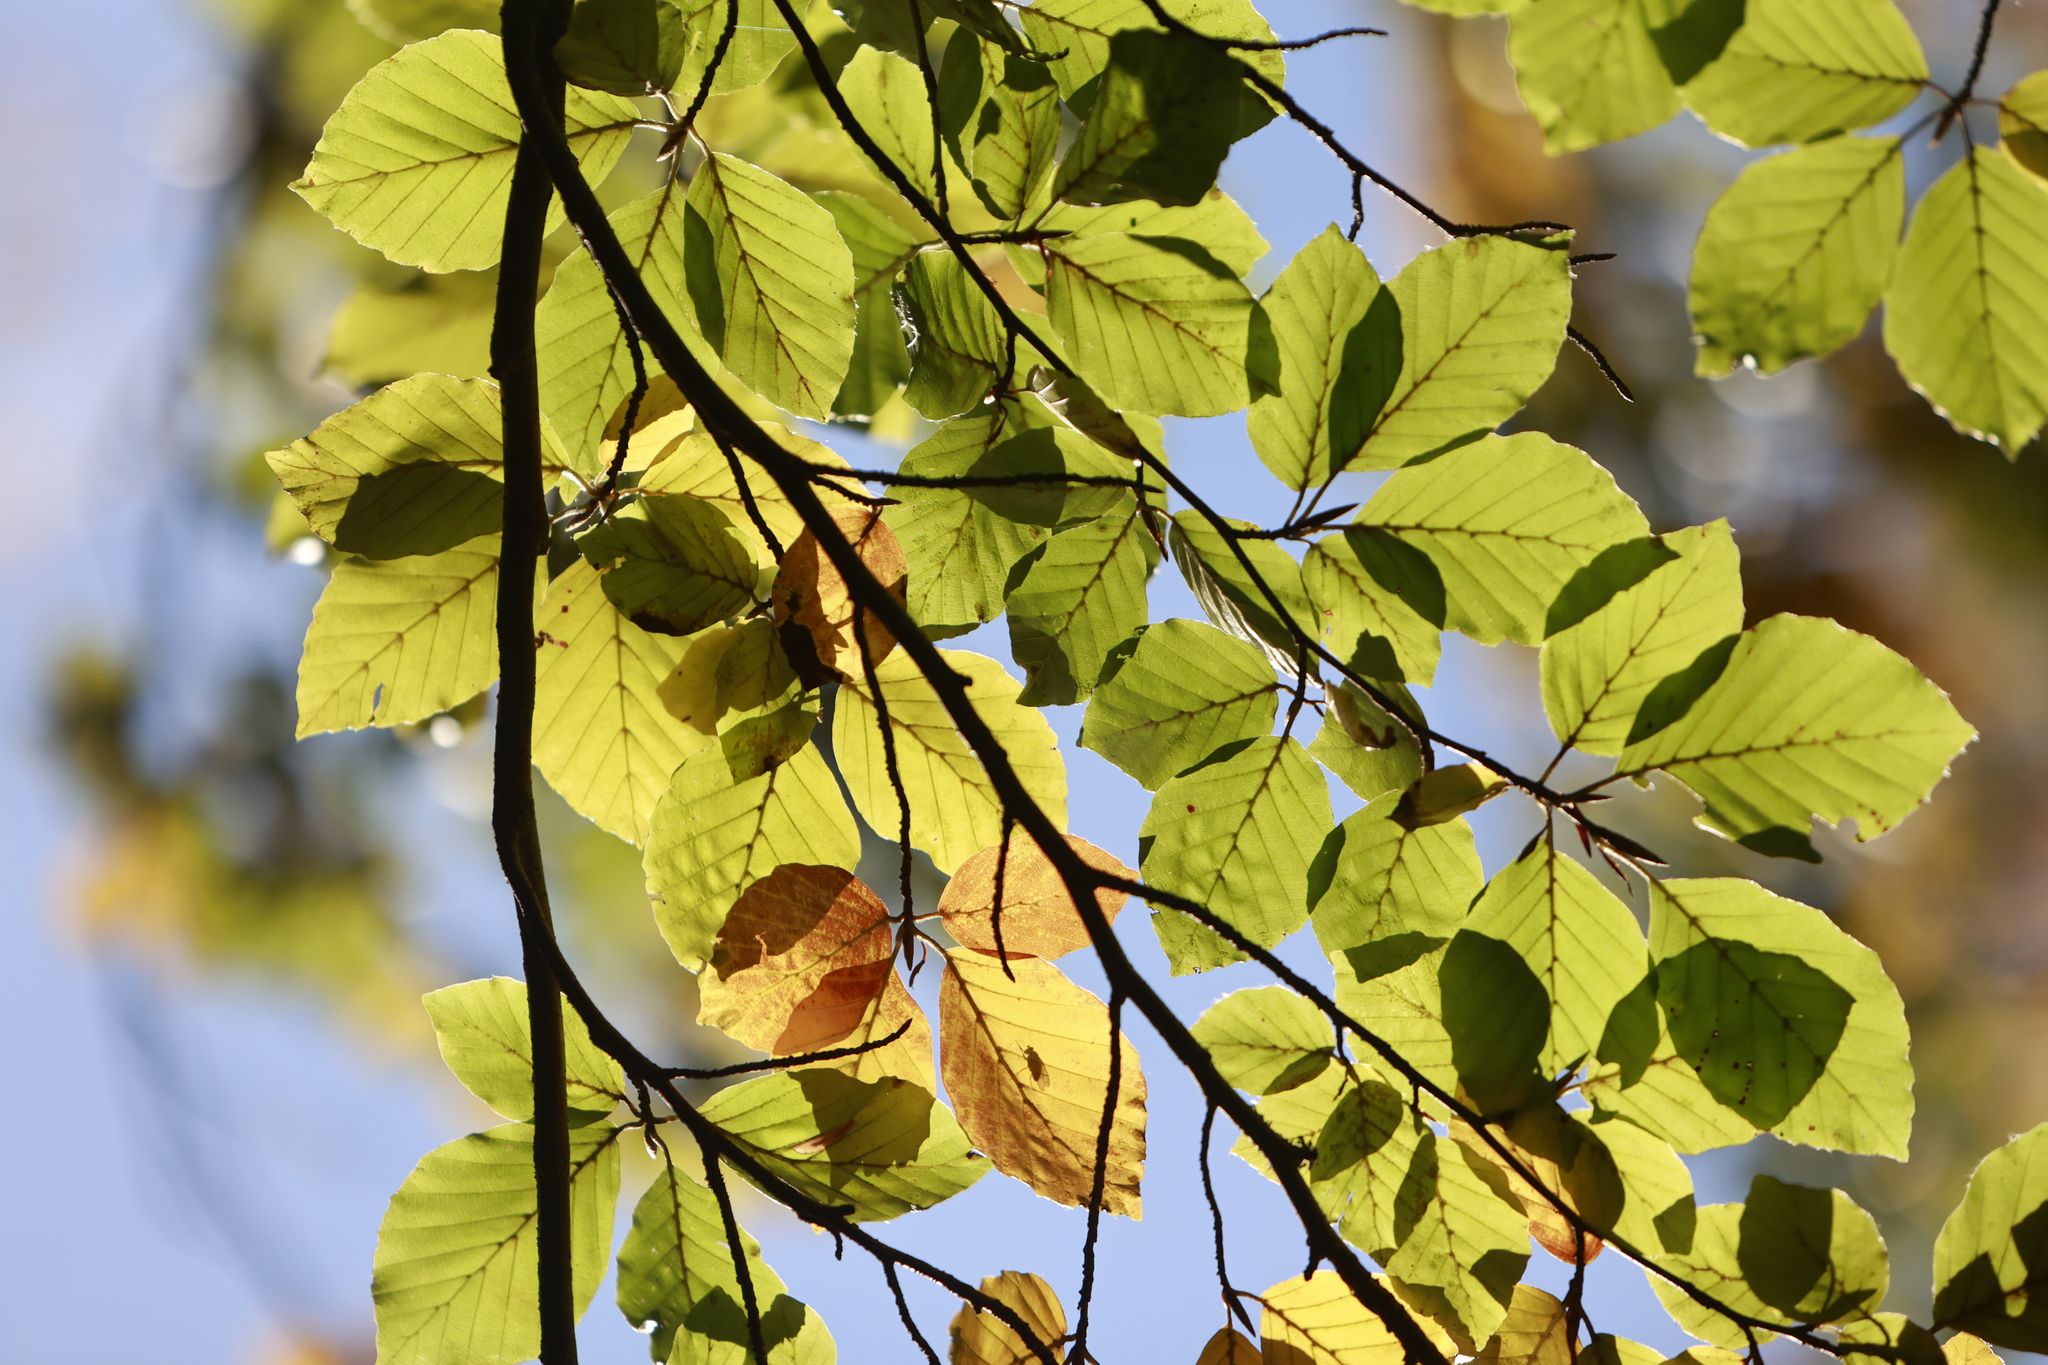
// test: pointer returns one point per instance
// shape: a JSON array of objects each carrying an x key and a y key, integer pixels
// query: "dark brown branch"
[
  {"x": 788, "y": 1063},
  {"x": 532, "y": 25},
  {"x": 1299, "y": 44},
  {"x": 1110, "y": 1095}
]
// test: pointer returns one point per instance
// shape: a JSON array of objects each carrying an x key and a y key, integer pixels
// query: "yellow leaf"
[
  {"x": 800, "y": 962},
  {"x": 1039, "y": 918},
  {"x": 1314, "y": 1320},
  {"x": 1533, "y": 1332},
  {"x": 908, "y": 1057},
  {"x": 1026, "y": 1062},
  {"x": 980, "y": 1338},
  {"x": 1228, "y": 1347},
  {"x": 1448, "y": 793}
]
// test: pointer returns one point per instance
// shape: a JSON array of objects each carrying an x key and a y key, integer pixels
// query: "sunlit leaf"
[
  {"x": 1177, "y": 693},
  {"x": 882, "y": 1148},
  {"x": 1785, "y": 1018},
  {"x": 954, "y": 812},
  {"x": 417, "y": 161},
  {"x": 1806, "y": 719},
  {"x": 1266, "y": 1039},
  {"x": 453, "y": 1274},
  {"x": 1800, "y": 69},
  {"x": 679, "y": 1281},
  {"x": 1991, "y": 1260},
  {"x": 1959, "y": 314},
  {"x": 1236, "y": 835},
  {"x": 1038, "y": 916},
  {"x": 977, "y": 1337},
  {"x": 1025, "y": 1055},
  {"x": 481, "y": 1027},
  {"x": 1796, "y": 252}
]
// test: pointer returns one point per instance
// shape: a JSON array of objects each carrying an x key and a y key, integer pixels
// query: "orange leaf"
[
  {"x": 811, "y": 594},
  {"x": 800, "y": 962},
  {"x": 1026, "y": 1062},
  {"x": 1039, "y": 917}
]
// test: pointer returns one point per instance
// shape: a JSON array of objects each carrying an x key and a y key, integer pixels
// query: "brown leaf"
[
  {"x": 801, "y": 961},
  {"x": 980, "y": 1338},
  {"x": 1039, "y": 917},
  {"x": 1026, "y": 1062},
  {"x": 909, "y": 1057},
  {"x": 811, "y": 594}
]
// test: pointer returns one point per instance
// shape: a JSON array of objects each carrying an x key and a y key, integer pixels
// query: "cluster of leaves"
[
  {"x": 1800, "y": 249},
  {"x": 1014, "y": 230}
]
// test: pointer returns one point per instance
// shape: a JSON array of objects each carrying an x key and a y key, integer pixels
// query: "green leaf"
[
  {"x": 1236, "y": 835},
  {"x": 394, "y": 641},
  {"x": 413, "y": 469},
  {"x": 1266, "y": 1039},
  {"x": 1079, "y": 597},
  {"x": 880, "y": 247},
  {"x": 717, "y": 831},
  {"x": 1218, "y": 225},
  {"x": 1365, "y": 745},
  {"x": 629, "y": 47},
  {"x": 679, "y": 1282},
  {"x": 1507, "y": 521},
  {"x": 1385, "y": 894},
  {"x": 417, "y": 161},
  {"x": 586, "y": 364},
  {"x": 1233, "y": 598},
  {"x": 384, "y": 332},
  {"x": 674, "y": 564},
  {"x": 1320, "y": 409},
  {"x": 1571, "y": 935},
  {"x": 1443, "y": 1223},
  {"x": 1163, "y": 118},
  {"x": 1178, "y": 693},
  {"x": 887, "y": 96},
  {"x": 1079, "y": 35},
  {"x": 760, "y": 42},
  {"x": 1155, "y": 323},
  {"x": 1785, "y": 1018},
  {"x": 1797, "y": 70},
  {"x": 1000, "y": 114},
  {"x": 882, "y": 1148},
  {"x": 1590, "y": 71},
  {"x": 1480, "y": 323},
  {"x": 1381, "y": 602},
  {"x": 453, "y": 1274},
  {"x": 405, "y": 21},
  {"x": 1786, "y": 1254},
  {"x": 1796, "y": 252},
  {"x": 1961, "y": 312},
  {"x": 960, "y": 549},
  {"x": 1807, "y": 719},
  {"x": 1641, "y": 1078},
  {"x": 954, "y": 812},
  {"x": 1991, "y": 1260},
  {"x": 481, "y": 1027},
  {"x": 771, "y": 281},
  {"x": 601, "y": 736},
  {"x": 2023, "y": 122},
  {"x": 957, "y": 342},
  {"x": 1598, "y": 670}
]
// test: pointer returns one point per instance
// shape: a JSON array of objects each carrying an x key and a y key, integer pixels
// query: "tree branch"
[{"x": 529, "y": 24}]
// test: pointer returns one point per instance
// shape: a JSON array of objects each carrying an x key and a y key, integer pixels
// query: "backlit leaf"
[
  {"x": 1959, "y": 314},
  {"x": 1266, "y": 1039},
  {"x": 1800, "y": 69},
  {"x": 1026, "y": 1061},
  {"x": 1796, "y": 252},
  {"x": 1236, "y": 835},
  {"x": 417, "y": 161},
  {"x": 1180, "y": 692},
  {"x": 981, "y": 1338},
  {"x": 481, "y": 1027},
  {"x": 453, "y": 1275},
  {"x": 1807, "y": 719},
  {"x": 1039, "y": 917},
  {"x": 717, "y": 831},
  {"x": 1991, "y": 1260},
  {"x": 954, "y": 812},
  {"x": 884, "y": 1147}
]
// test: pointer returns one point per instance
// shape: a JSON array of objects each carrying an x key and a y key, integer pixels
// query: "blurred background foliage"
[{"x": 208, "y": 852}]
